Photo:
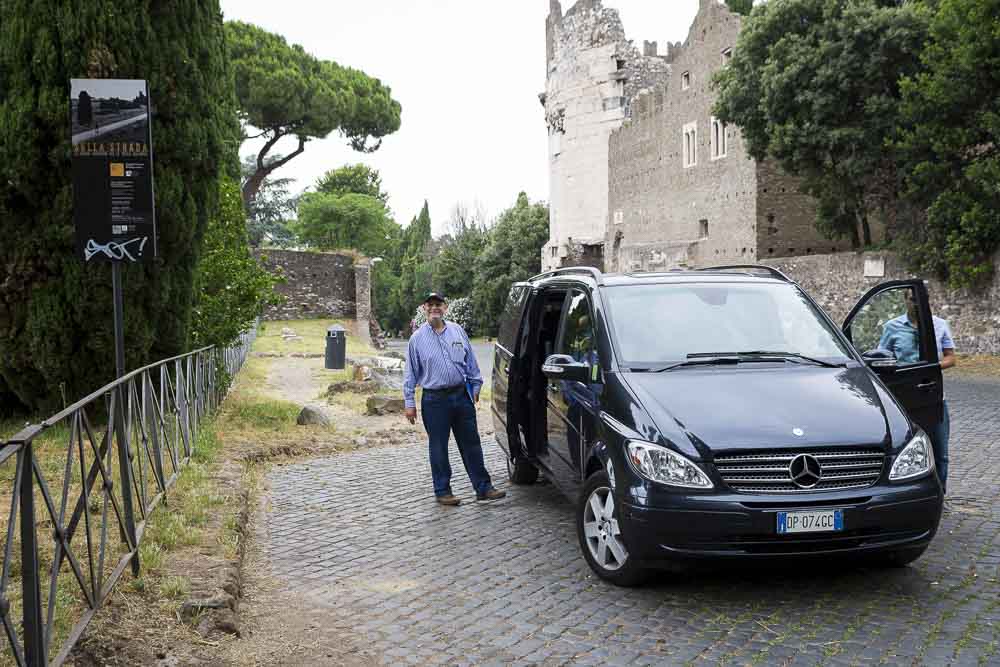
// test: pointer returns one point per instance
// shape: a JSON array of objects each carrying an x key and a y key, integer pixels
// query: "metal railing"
[{"x": 126, "y": 444}]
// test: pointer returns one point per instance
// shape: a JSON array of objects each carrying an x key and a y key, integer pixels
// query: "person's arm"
[
  {"x": 410, "y": 374},
  {"x": 948, "y": 357}
]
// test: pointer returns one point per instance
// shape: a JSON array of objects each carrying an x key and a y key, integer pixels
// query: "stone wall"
[
  {"x": 785, "y": 221},
  {"x": 317, "y": 284},
  {"x": 594, "y": 73},
  {"x": 838, "y": 281}
]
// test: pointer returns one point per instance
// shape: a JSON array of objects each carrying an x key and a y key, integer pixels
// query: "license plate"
[{"x": 818, "y": 521}]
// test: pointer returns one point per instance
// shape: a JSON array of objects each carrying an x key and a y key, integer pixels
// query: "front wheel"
[
  {"x": 521, "y": 472},
  {"x": 599, "y": 530}
]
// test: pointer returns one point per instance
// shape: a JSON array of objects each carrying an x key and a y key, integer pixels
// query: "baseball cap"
[{"x": 435, "y": 296}]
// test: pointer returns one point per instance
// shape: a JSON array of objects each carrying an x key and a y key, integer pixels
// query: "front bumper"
[{"x": 690, "y": 527}]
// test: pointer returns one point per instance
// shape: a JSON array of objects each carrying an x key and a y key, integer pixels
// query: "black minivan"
[{"x": 719, "y": 413}]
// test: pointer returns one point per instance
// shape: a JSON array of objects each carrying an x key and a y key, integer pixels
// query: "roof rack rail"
[
  {"x": 594, "y": 273},
  {"x": 747, "y": 268}
]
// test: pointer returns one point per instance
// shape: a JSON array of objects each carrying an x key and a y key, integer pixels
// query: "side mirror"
[
  {"x": 879, "y": 358},
  {"x": 564, "y": 367}
]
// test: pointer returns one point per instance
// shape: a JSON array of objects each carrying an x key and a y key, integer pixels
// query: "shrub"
[{"x": 459, "y": 311}]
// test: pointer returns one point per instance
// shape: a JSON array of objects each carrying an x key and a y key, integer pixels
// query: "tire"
[
  {"x": 900, "y": 557},
  {"x": 597, "y": 526},
  {"x": 521, "y": 472}
]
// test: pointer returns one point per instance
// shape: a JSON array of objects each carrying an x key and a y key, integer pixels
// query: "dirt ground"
[{"x": 978, "y": 365}]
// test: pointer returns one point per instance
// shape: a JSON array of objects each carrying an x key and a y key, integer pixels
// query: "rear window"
[
  {"x": 511, "y": 316},
  {"x": 655, "y": 323}
]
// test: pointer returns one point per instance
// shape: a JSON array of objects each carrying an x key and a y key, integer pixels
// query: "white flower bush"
[{"x": 459, "y": 311}]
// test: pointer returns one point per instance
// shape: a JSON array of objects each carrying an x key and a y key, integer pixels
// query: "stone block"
[{"x": 385, "y": 405}]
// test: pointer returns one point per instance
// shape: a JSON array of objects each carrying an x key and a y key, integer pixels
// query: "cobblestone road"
[{"x": 359, "y": 539}]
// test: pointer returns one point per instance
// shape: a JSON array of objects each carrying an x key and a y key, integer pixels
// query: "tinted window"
[
  {"x": 666, "y": 322},
  {"x": 511, "y": 316},
  {"x": 578, "y": 330},
  {"x": 890, "y": 321}
]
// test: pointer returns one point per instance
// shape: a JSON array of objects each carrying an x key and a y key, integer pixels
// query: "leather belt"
[{"x": 446, "y": 390}]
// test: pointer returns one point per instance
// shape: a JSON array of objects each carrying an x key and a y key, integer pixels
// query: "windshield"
[{"x": 659, "y": 323}]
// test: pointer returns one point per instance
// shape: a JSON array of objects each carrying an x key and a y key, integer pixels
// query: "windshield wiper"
[
  {"x": 789, "y": 356},
  {"x": 732, "y": 358},
  {"x": 701, "y": 359}
]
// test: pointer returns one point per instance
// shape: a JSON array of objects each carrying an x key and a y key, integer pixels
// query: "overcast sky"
[{"x": 467, "y": 74}]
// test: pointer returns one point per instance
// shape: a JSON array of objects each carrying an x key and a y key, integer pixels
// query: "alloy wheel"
[{"x": 600, "y": 528}]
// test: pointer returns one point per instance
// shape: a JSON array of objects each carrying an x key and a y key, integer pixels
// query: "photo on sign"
[{"x": 109, "y": 110}]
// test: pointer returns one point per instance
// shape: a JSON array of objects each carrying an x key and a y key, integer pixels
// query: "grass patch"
[
  {"x": 248, "y": 409},
  {"x": 358, "y": 403},
  {"x": 172, "y": 588},
  {"x": 266, "y": 415},
  {"x": 313, "y": 335}
]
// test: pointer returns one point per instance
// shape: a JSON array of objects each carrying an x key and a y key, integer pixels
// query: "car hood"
[{"x": 727, "y": 409}]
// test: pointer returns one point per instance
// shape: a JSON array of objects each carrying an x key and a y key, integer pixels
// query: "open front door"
[{"x": 893, "y": 328}]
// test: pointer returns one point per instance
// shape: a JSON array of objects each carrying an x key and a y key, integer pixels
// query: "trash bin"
[{"x": 336, "y": 347}]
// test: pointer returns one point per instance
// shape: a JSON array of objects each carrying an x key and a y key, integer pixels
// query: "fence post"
[
  {"x": 125, "y": 465},
  {"x": 153, "y": 430},
  {"x": 34, "y": 630}
]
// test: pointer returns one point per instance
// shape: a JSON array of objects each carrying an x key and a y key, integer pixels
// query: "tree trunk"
[
  {"x": 264, "y": 168},
  {"x": 866, "y": 229},
  {"x": 855, "y": 238}
]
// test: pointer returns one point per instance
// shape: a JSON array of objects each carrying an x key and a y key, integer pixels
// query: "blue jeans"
[
  {"x": 939, "y": 441},
  {"x": 454, "y": 412}
]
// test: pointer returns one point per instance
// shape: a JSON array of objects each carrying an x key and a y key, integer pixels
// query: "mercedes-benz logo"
[{"x": 805, "y": 471}]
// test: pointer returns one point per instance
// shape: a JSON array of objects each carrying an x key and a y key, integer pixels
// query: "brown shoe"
[
  {"x": 448, "y": 500},
  {"x": 492, "y": 494}
]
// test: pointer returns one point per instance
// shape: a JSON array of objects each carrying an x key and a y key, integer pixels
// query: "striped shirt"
[
  {"x": 903, "y": 339},
  {"x": 439, "y": 360}
]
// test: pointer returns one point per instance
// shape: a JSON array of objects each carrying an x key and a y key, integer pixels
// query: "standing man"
[
  {"x": 900, "y": 336},
  {"x": 440, "y": 359}
]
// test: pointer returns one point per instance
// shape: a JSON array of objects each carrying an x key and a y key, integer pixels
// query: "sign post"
[
  {"x": 113, "y": 180},
  {"x": 114, "y": 214}
]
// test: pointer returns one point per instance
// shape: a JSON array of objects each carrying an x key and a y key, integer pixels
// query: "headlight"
[
  {"x": 662, "y": 465},
  {"x": 916, "y": 459}
]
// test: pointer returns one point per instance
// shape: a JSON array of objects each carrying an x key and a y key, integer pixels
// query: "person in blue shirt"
[
  {"x": 440, "y": 359},
  {"x": 901, "y": 336}
]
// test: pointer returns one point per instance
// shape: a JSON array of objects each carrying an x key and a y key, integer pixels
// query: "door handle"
[
  {"x": 554, "y": 388},
  {"x": 927, "y": 385}
]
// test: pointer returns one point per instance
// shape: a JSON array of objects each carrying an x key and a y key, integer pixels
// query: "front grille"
[{"x": 768, "y": 472}]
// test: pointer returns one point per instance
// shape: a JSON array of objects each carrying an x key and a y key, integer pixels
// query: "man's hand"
[
  {"x": 476, "y": 400},
  {"x": 411, "y": 415}
]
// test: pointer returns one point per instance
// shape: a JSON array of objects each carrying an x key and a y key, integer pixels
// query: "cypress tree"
[{"x": 55, "y": 311}]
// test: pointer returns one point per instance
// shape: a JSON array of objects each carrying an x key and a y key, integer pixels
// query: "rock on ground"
[
  {"x": 310, "y": 415},
  {"x": 385, "y": 405}
]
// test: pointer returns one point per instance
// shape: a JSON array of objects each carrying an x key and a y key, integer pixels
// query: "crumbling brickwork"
[
  {"x": 786, "y": 218},
  {"x": 317, "y": 284}
]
